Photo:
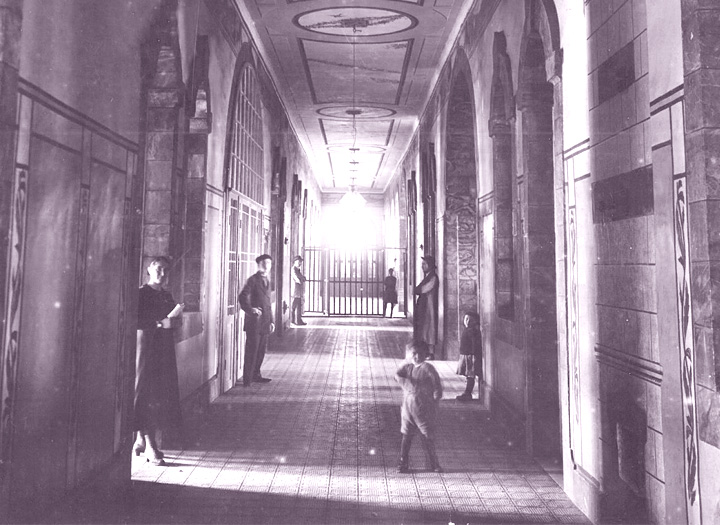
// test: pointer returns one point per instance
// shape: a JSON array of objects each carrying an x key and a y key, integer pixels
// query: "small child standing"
[
  {"x": 470, "y": 362},
  {"x": 422, "y": 391}
]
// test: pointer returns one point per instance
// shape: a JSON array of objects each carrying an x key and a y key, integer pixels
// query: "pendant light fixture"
[{"x": 352, "y": 198}]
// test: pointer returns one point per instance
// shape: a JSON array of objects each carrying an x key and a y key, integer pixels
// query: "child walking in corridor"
[
  {"x": 422, "y": 391},
  {"x": 470, "y": 362}
]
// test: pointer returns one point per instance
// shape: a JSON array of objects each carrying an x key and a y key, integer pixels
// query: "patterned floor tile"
[{"x": 319, "y": 444}]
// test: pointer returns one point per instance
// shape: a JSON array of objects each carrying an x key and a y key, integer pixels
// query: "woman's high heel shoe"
[
  {"x": 139, "y": 449},
  {"x": 155, "y": 457}
]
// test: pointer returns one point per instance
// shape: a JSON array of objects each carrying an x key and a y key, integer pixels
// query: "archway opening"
[
  {"x": 537, "y": 267},
  {"x": 501, "y": 129},
  {"x": 460, "y": 221}
]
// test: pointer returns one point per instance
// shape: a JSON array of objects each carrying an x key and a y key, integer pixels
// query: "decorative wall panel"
[
  {"x": 460, "y": 216},
  {"x": 617, "y": 73},
  {"x": 575, "y": 159},
  {"x": 67, "y": 381},
  {"x": 573, "y": 321},
  {"x": 623, "y": 196},
  {"x": 13, "y": 307},
  {"x": 687, "y": 349}
]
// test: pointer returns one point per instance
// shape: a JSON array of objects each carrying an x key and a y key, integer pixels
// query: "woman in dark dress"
[
  {"x": 157, "y": 399},
  {"x": 425, "y": 315},
  {"x": 390, "y": 296}
]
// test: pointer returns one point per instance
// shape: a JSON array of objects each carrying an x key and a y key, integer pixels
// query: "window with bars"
[
  {"x": 245, "y": 166},
  {"x": 244, "y": 245}
]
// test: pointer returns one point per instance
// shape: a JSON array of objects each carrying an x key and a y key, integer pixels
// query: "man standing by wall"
[
  {"x": 298, "y": 280},
  {"x": 255, "y": 301}
]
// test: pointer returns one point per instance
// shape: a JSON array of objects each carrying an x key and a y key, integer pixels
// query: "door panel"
[
  {"x": 213, "y": 288},
  {"x": 243, "y": 243},
  {"x": 230, "y": 321}
]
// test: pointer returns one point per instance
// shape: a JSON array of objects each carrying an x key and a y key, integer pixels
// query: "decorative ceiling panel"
[
  {"x": 365, "y": 111},
  {"x": 399, "y": 47},
  {"x": 376, "y": 77},
  {"x": 418, "y": 2},
  {"x": 369, "y": 133},
  {"x": 342, "y": 21}
]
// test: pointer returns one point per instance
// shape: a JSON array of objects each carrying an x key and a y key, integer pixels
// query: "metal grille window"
[
  {"x": 245, "y": 167},
  {"x": 244, "y": 244}
]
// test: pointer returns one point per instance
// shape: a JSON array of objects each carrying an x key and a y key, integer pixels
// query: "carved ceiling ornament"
[
  {"x": 370, "y": 63},
  {"x": 355, "y": 21}
]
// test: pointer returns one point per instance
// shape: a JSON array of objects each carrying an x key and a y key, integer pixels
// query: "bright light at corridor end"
[{"x": 351, "y": 223}]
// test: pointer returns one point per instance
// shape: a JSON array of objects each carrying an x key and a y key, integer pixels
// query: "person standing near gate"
[
  {"x": 255, "y": 301},
  {"x": 298, "y": 291},
  {"x": 390, "y": 296},
  {"x": 426, "y": 306}
]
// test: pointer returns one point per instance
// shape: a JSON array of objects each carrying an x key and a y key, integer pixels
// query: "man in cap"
[
  {"x": 298, "y": 292},
  {"x": 255, "y": 301}
]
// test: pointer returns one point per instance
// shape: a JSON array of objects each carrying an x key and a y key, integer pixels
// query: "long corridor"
[{"x": 319, "y": 444}]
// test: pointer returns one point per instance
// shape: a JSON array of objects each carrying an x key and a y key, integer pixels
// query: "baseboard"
[
  {"x": 194, "y": 408},
  {"x": 196, "y": 403},
  {"x": 105, "y": 486},
  {"x": 585, "y": 492},
  {"x": 504, "y": 413}
]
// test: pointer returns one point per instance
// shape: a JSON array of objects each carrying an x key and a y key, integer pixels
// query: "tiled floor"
[{"x": 319, "y": 444}]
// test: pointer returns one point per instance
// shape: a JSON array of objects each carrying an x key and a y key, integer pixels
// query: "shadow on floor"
[{"x": 157, "y": 503}]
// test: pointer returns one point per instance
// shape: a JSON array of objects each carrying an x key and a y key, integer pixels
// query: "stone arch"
[
  {"x": 538, "y": 147},
  {"x": 549, "y": 29},
  {"x": 500, "y": 127},
  {"x": 460, "y": 221}
]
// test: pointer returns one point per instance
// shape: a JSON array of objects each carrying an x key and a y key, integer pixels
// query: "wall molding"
[
  {"x": 664, "y": 101},
  {"x": 673, "y": 94},
  {"x": 644, "y": 369},
  {"x": 575, "y": 149},
  {"x": 41, "y": 97}
]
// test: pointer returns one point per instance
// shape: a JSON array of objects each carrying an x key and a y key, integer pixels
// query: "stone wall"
[{"x": 702, "y": 147}]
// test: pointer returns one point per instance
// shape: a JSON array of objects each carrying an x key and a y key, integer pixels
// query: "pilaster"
[
  {"x": 164, "y": 156},
  {"x": 700, "y": 372},
  {"x": 196, "y": 160}
]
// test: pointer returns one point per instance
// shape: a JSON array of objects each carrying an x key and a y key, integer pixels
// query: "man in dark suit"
[{"x": 255, "y": 301}]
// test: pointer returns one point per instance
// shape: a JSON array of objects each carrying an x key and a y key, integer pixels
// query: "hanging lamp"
[{"x": 352, "y": 198}]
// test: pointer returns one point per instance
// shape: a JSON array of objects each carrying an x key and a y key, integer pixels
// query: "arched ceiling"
[{"x": 354, "y": 77}]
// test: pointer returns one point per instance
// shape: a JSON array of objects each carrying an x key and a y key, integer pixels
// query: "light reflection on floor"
[{"x": 320, "y": 444}]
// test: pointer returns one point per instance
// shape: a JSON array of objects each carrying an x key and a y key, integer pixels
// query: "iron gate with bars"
[{"x": 351, "y": 282}]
